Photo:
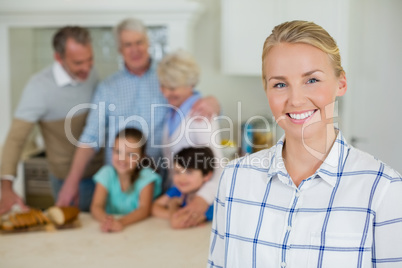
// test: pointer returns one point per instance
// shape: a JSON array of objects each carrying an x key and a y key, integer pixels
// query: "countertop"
[{"x": 150, "y": 243}]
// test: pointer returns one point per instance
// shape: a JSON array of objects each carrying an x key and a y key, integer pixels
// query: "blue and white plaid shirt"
[
  {"x": 126, "y": 100},
  {"x": 348, "y": 214}
]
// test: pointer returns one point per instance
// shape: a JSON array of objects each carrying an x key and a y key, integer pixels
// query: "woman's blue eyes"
[
  {"x": 310, "y": 81},
  {"x": 279, "y": 85}
]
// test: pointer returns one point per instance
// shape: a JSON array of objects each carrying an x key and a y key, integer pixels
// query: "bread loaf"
[
  {"x": 27, "y": 219},
  {"x": 62, "y": 215}
]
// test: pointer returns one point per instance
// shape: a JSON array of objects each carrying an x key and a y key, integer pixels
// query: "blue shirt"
[
  {"x": 126, "y": 100},
  {"x": 119, "y": 202},
  {"x": 347, "y": 214},
  {"x": 174, "y": 192},
  {"x": 175, "y": 116}
]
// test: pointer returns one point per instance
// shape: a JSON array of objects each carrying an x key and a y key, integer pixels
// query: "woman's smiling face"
[{"x": 301, "y": 88}]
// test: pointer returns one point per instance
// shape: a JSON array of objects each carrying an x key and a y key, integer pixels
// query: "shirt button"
[
  {"x": 289, "y": 228},
  {"x": 297, "y": 194},
  {"x": 283, "y": 264}
]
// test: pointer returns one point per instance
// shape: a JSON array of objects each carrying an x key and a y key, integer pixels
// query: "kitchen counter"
[{"x": 150, "y": 243}]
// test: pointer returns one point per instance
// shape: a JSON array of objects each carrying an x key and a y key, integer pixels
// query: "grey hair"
[
  {"x": 129, "y": 24},
  {"x": 178, "y": 69}
]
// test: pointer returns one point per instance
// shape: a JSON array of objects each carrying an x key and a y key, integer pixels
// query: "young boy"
[{"x": 192, "y": 168}]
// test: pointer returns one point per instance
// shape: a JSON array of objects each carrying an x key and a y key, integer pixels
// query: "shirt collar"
[
  {"x": 333, "y": 163},
  {"x": 277, "y": 166},
  {"x": 61, "y": 76},
  {"x": 186, "y": 106},
  {"x": 151, "y": 68},
  {"x": 335, "y": 160},
  {"x": 176, "y": 115}
]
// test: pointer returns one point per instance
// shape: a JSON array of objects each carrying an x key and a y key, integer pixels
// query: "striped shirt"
[
  {"x": 348, "y": 214},
  {"x": 126, "y": 100}
]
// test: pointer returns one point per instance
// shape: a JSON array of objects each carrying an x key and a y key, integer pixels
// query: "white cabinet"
[{"x": 246, "y": 24}]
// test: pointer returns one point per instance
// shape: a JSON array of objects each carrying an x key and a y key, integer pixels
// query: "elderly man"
[
  {"x": 129, "y": 98},
  {"x": 47, "y": 99}
]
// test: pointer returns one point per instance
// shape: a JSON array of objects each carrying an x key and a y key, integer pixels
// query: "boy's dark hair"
[
  {"x": 201, "y": 158},
  {"x": 78, "y": 34},
  {"x": 144, "y": 161}
]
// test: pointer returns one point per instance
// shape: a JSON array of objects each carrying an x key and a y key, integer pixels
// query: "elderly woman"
[{"x": 178, "y": 75}]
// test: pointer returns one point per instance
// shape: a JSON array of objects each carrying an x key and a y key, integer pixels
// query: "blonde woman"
[{"x": 311, "y": 200}]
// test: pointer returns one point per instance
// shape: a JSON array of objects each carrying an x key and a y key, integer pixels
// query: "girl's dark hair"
[
  {"x": 143, "y": 160},
  {"x": 201, "y": 158}
]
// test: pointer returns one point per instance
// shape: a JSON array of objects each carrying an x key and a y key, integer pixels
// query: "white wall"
[
  {"x": 372, "y": 112},
  {"x": 230, "y": 90}
]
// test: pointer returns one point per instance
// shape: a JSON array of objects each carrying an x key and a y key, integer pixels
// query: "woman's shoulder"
[
  {"x": 260, "y": 159},
  {"x": 362, "y": 160}
]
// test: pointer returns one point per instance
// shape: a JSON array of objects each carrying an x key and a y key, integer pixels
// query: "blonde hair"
[
  {"x": 306, "y": 32},
  {"x": 178, "y": 69}
]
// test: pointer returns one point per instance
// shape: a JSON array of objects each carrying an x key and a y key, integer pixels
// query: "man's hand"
[
  {"x": 207, "y": 107},
  {"x": 68, "y": 194},
  {"x": 9, "y": 198},
  {"x": 193, "y": 213}
]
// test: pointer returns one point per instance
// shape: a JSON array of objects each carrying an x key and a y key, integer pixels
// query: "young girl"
[
  {"x": 311, "y": 200},
  {"x": 126, "y": 188},
  {"x": 193, "y": 166}
]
